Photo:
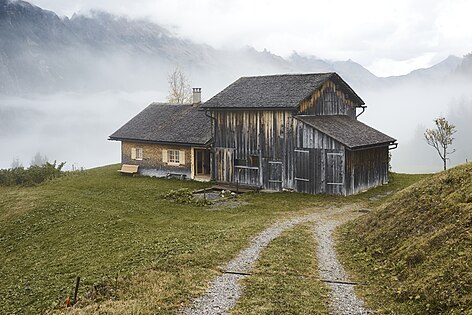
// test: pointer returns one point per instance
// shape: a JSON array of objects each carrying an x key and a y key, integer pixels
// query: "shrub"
[
  {"x": 184, "y": 195},
  {"x": 30, "y": 176}
]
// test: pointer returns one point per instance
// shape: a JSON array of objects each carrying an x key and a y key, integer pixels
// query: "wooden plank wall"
[
  {"x": 366, "y": 169},
  {"x": 308, "y": 137},
  {"x": 266, "y": 134},
  {"x": 319, "y": 171},
  {"x": 224, "y": 171},
  {"x": 274, "y": 175},
  {"x": 328, "y": 100},
  {"x": 335, "y": 172},
  {"x": 323, "y": 165}
]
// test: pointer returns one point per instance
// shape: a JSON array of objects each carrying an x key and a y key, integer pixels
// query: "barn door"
[
  {"x": 334, "y": 173},
  {"x": 303, "y": 167},
  {"x": 275, "y": 175}
]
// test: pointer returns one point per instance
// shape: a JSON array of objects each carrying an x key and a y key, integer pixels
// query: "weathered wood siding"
[
  {"x": 328, "y": 100},
  {"x": 266, "y": 137},
  {"x": 319, "y": 171},
  {"x": 319, "y": 162},
  {"x": 366, "y": 169},
  {"x": 308, "y": 137},
  {"x": 224, "y": 165}
]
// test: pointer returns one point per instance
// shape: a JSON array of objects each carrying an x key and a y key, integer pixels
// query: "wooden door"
[
  {"x": 335, "y": 173},
  {"x": 303, "y": 167},
  {"x": 202, "y": 162},
  {"x": 275, "y": 175}
]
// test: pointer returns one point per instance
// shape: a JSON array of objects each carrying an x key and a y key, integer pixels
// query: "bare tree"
[
  {"x": 38, "y": 160},
  {"x": 179, "y": 88},
  {"x": 441, "y": 138},
  {"x": 16, "y": 163}
]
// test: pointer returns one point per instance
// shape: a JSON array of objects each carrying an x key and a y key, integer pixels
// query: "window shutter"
[
  {"x": 164, "y": 156},
  {"x": 182, "y": 157},
  {"x": 133, "y": 153}
]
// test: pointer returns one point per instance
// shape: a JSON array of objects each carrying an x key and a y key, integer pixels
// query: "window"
[
  {"x": 254, "y": 160},
  {"x": 240, "y": 162},
  {"x": 137, "y": 154},
  {"x": 173, "y": 157}
]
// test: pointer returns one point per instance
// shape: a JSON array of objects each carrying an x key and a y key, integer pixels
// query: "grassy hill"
[
  {"x": 415, "y": 251},
  {"x": 129, "y": 244},
  {"x": 122, "y": 237}
]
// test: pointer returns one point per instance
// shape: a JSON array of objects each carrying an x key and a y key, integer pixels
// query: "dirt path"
[
  {"x": 343, "y": 299},
  {"x": 225, "y": 290}
]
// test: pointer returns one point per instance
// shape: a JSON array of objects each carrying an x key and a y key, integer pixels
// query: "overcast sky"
[{"x": 387, "y": 37}]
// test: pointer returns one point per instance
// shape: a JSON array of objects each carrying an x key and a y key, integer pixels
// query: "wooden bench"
[
  {"x": 176, "y": 175},
  {"x": 129, "y": 169}
]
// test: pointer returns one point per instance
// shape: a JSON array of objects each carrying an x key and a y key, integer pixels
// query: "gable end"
[{"x": 329, "y": 99}]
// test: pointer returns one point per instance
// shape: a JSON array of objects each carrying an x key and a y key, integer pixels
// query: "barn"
[{"x": 297, "y": 132}]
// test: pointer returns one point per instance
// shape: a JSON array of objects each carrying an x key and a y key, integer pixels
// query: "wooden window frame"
[
  {"x": 254, "y": 160},
  {"x": 137, "y": 153},
  {"x": 240, "y": 162},
  {"x": 173, "y": 157}
]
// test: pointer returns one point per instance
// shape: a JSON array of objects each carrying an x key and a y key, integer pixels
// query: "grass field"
[
  {"x": 415, "y": 250},
  {"x": 128, "y": 244}
]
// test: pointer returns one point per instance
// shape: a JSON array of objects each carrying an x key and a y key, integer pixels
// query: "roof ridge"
[
  {"x": 168, "y": 104},
  {"x": 289, "y": 74}
]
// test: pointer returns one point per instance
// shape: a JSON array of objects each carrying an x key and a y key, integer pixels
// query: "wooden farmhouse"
[{"x": 298, "y": 132}]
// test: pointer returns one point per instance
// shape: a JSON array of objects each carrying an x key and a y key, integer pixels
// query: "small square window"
[
  {"x": 174, "y": 156},
  {"x": 137, "y": 154}
]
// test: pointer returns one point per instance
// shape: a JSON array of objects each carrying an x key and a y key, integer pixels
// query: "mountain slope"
[
  {"x": 42, "y": 53},
  {"x": 415, "y": 251}
]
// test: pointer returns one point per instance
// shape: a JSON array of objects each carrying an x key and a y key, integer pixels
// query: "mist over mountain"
[
  {"x": 98, "y": 60},
  {"x": 41, "y": 52}
]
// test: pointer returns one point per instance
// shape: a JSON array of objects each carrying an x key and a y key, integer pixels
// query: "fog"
[
  {"x": 74, "y": 127},
  {"x": 404, "y": 111},
  {"x": 112, "y": 67},
  {"x": 67, "y": 127}
]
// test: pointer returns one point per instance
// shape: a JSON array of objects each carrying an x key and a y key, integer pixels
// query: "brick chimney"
[{"x": 197, "y": 96}]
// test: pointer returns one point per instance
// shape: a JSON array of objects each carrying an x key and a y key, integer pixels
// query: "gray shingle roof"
[
  {"x": 275, "y": 91},
  {"x": 166, "y": 123},
  {"x": 349, "y": 131}
]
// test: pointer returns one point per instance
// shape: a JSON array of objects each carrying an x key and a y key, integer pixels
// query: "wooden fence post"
[{"x": 76, "y": 290}]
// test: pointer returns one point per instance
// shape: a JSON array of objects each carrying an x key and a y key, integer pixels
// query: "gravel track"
[
  {"x": 225, "y": 290},
  {"x": 343, "y": 299}
]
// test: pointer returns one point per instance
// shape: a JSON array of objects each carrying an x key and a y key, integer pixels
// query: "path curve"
[{"x": 225, "y": 290}]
